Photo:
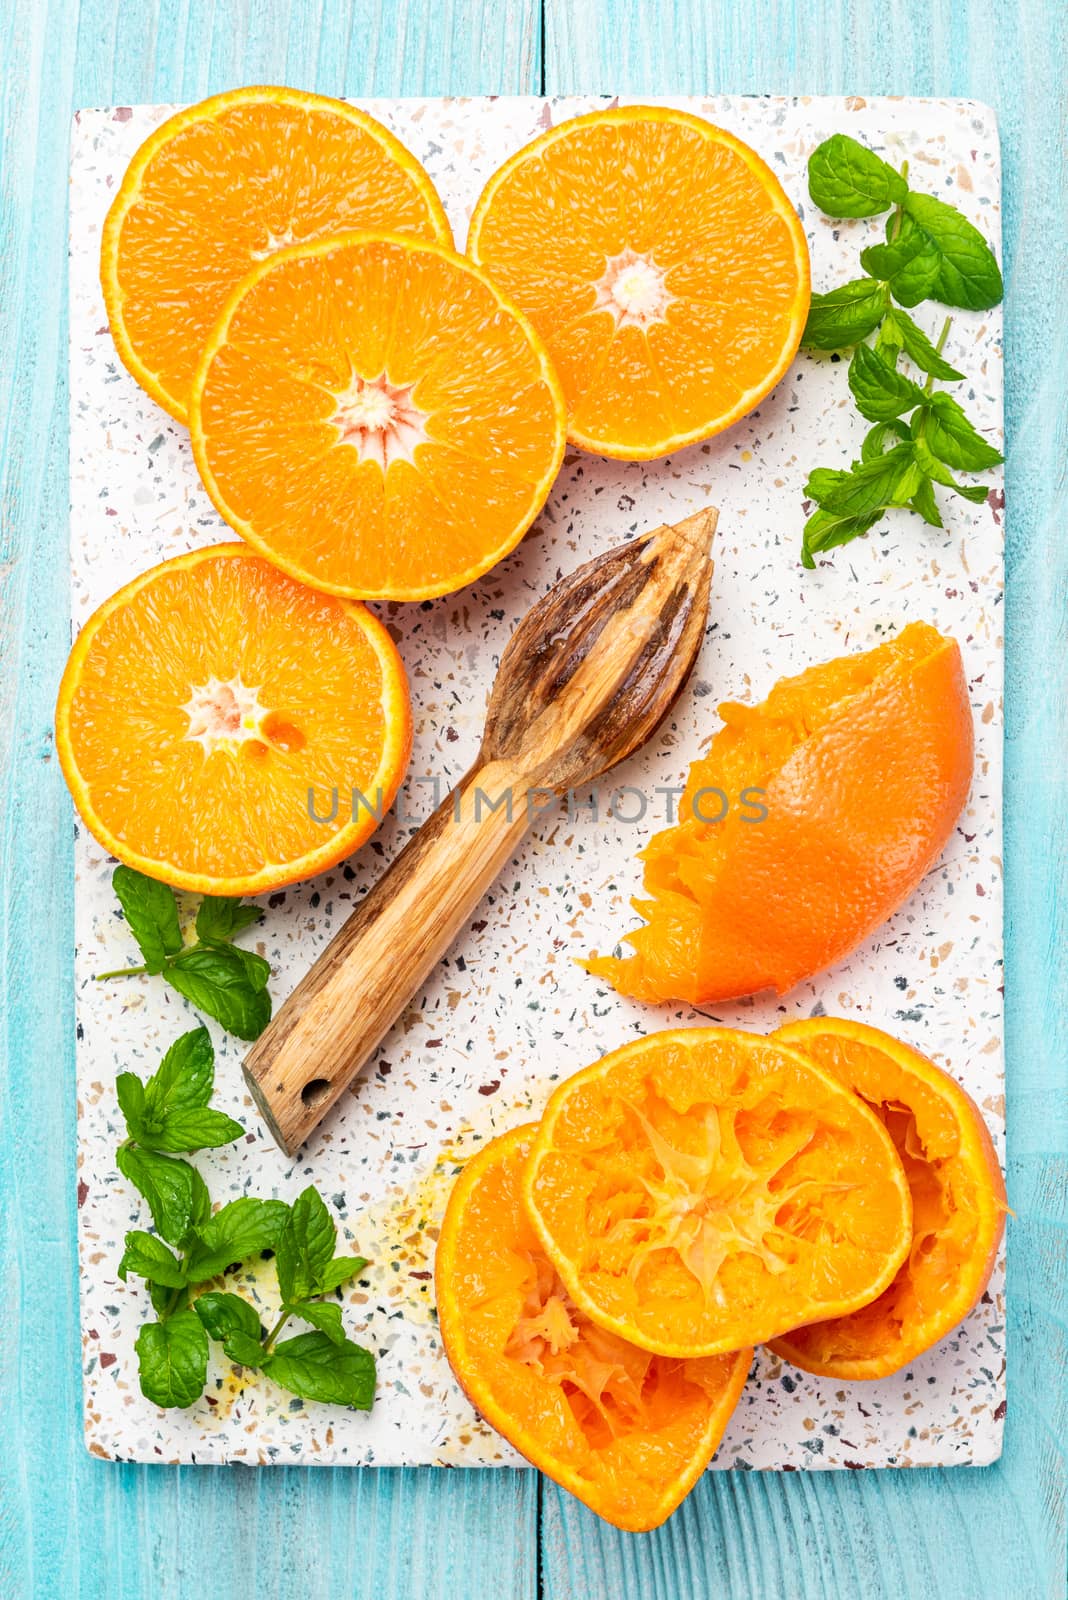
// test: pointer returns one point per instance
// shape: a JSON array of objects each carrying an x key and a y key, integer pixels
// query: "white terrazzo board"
[{"x": 508, "y": 1013}]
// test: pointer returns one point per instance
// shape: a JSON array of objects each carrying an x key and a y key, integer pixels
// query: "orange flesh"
[
  {"x": 201, "y": 704},
  {"x": 702, "y": 1190},
  {"x": 863, "y": 764},
  {"x": 958, "y": 1199},
  {"x": 626, "y": 1431},
  {"x": 663, "y": 265},
  {"x": 464, "y": 420},
  {"x": 223, "y": 185}
]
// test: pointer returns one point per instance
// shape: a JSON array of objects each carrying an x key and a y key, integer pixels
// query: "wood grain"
[
  {"x": 70, "y": 1525},
  {"x": 79, "y": 1528},
  {"x": 957, "y": 1535}
]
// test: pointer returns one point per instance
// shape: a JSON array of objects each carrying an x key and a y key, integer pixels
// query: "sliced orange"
[
  {"x": 222, "y": 185},
  {"x": 703, "y": 1189},
  {"x": 627, "y": 1432},
  {"x": 958, "y": 1203},
  {"x": 372, "y": 415},
  {"x": 843, "y": 788},
  {"x": 228, "y": 730},
  {"x": 663, "y": 265}
]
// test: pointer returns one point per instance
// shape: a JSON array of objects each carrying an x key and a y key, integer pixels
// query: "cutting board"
[{"x": 508, "y": 1013}]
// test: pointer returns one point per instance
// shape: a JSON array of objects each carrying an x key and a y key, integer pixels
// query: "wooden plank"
[
  {"x": 1001, "y": 1530},
  {"x": 68, "y": 1524}
]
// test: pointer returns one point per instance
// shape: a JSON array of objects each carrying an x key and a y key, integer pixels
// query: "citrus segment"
[
  {"x": 702, "y": 1190},
  {"x": 375, "y": 418},
  {"x": 221, "y": 186},
  {"x": 661, "y": 261},
  {"x": 958, "y": 1200},
  {"x": 215, "y": 719},
  {"x": 861, "y": 766},
  {"x": 628, "y": 1432}
]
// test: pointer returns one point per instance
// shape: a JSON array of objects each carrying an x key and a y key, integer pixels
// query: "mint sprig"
[
  {"x": 213, "y": 974},
  {"x": 193, "y": 1245},
  {"x": 922, "y": 434}
]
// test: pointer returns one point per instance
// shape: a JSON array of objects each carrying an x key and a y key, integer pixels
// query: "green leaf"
[
  {"x": 872, "y": 485},
  {"x": 315, "y": 1368},
  {"x": 235, "y": 1323},
  {"x": 257, "y": 970},
  {"x": 221, "y": 917},
  {"x": 306, "y": 1247},
  {"x": 201, "y": 1202},
  {"x": 217, "y": 981},
  {"x": 953, "y": 439},
  {"x": 150, "y": 1259},
  {"x": 846, "y": 179},
  {"x": 881, "y": 392},
  {"x": 846, "y": 315},
  {"x": 824, "y": 481},
  {"x": 166, "y": 1302},
  {"x": 930, "y": 464},
  {"x": 199, "y": 1128},
  {"x": 245, "y": 1351},
  {"x": 184, "y": 1078},
  {"x": 876, "y": 439},
  {"x": 908, "y": 261},
  {"x": 173, "y": 1359},
  {"x": 826, "y": 529},
  {"x": 168, "y": 1187},
  {"x": 968, "y": 274},
  {"x": 339, "y": 1271},
  {"x": 130, "y": 1092},
  {"x": 239, "y": 1230},
  {"x": 925, "y": 505},
  {"x": 322, "y": 1314},
  {"x": 152, "y": 913},
  {"x": 920, "y": 350}
]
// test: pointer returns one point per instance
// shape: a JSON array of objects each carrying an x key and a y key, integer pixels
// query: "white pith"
[
  {"x": 225, "y": 713},
  {"x": 380, "y": 420},
  {"x": 632, "y": 288}
]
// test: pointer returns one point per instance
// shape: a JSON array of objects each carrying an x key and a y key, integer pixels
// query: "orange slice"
[
  {"x": 228, "y": 730},
  {"x": 222, "y": 185},
  {"x": 958, "y": 1203},
  {"x": 627, "y": 1432},
  {"x": 702, "y": 1190},
  {"x": 843, "y": 787},
  {"x": 372, "y": 415},
  {"x": 663, "y": 265}
]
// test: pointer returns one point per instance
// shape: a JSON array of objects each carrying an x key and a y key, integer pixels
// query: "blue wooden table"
[{"x": 78, "y": 1528}]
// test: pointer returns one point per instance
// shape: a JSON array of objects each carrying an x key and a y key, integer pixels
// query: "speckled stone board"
[{"x": 508, "y": 1013}]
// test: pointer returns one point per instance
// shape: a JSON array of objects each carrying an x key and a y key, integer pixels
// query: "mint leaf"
[
  {"x": 306, "y": 1247},
  {"x": 908, "y": 261},
  {"x": 221, "y": 917},
  {"x": 234, "y": 1323},
  {"x": 919, "y": 349},
  {"x": 845, "y": 315},
  {"x": 150, "y": 1259},
  {"x": 257, "y": 970},
  {"x": 953, "y": 439},
  {"x": 925, "y": 505},
  {"x": 876, "y": 440},
  {"x": 930, "y": 464},
  {"x": 888, "y": 479},
  {"x": 881, "y": 392},
  {"x": 217, "y": 980},
  {"x": 968, "y": 273},
  {"x": 184, "y": 1078},
  {"x": 824, "y": 530},
  {"x": 846, "y": 179},
  {"x": 339, "y": 1271},
  {"x": 167, "y": 1186},
  {"x": 315, "y": 1368},
  {"x": 173, "y": 1359},
  {"x": 166, "y": 1301},
  {"x": 322, "y": 1314},
  {"x": 199, "y": 1128},
  {"x": 239, "y": 1230},
  {"x": 130, "y": 1092},
  {"x": 152, "y": 913}
]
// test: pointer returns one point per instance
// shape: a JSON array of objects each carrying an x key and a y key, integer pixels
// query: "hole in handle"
[{"x": 315, "y": 1092}]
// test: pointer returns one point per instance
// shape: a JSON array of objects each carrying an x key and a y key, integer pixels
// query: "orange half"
[
  {"x": 662, "y": 263},
  {"x": 627, "y": 1432},
  {"x": 702, "y": 1190},
  {"x": 221, "y": 186},
  {"x": 228, "y": 730},
  {"x": 375, "y": 417},
  {"x": 958, "y": 1203}
]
